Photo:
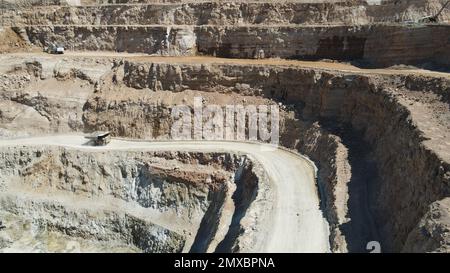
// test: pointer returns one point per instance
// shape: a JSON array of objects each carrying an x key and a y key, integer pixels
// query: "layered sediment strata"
[
  {"x": 72, "y": 200},
  {"x": 232, "y": 13},
  {"x": 372, "y": 109},
  {"x": 408, "y": 45},
  {"x": 369, "y": 134},
  {"x": 380, "y": 141}
]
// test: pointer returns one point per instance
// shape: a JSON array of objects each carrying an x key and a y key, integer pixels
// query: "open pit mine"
[{"x": 352, "y": 154}]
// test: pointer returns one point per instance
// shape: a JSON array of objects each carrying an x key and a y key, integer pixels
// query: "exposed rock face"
[
  {"x": 232, "y": 13},
  {"x": 343, "y": 30},
  {"x": 416, "y": 44},
  {"x": 46, "y": 97},
  {"x": 380, "y": 141},
  {"x": 432, "y": 233},
  {"x": 135, "y": 201},
  {"x": 360, "y": 189},
  {"x": 84, "y": 230},
  {"x": 359, "y": 101},
  {"x": 152, "y": 40}
]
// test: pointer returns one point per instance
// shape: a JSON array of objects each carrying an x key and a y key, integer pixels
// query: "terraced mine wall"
[
  {"x": 97, "y": 197},
  {"x": 232, "y": 13},
  {"x": 382, "y": 177},
  {"x": 398, "y": 162},
  {"x": 369, "y": 148},
  {"x": 414, "y": 45},
  {"x": 342, "y": 30}
]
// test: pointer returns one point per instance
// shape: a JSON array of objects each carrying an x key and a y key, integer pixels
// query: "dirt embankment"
[{"x": 10, "y": 41}]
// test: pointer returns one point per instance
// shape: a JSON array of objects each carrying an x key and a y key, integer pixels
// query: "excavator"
[{"x": 433, "y": 18}]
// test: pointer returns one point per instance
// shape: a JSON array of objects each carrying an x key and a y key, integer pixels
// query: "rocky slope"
[
  {"x": 232, "y": 13},
  {"x": 369, "y": 105},
  {"x": 413, "y": 45},
  {"x": 379, "y": 138},
  {"x": 431, "y": 235},
  {"x": 133, "y": 201},
  {"x": 343, "y": 30},
  {"x": 373, "y": 137}
]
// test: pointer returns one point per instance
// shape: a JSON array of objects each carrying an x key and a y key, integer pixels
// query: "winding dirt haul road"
[{"x": 296, "y": 223}]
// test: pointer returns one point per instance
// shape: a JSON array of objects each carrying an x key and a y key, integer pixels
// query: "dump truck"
[{"x": 99, "y": 138}]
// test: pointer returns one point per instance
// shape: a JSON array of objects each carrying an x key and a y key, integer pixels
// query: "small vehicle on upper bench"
[{"x": 54, "y": 49}]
